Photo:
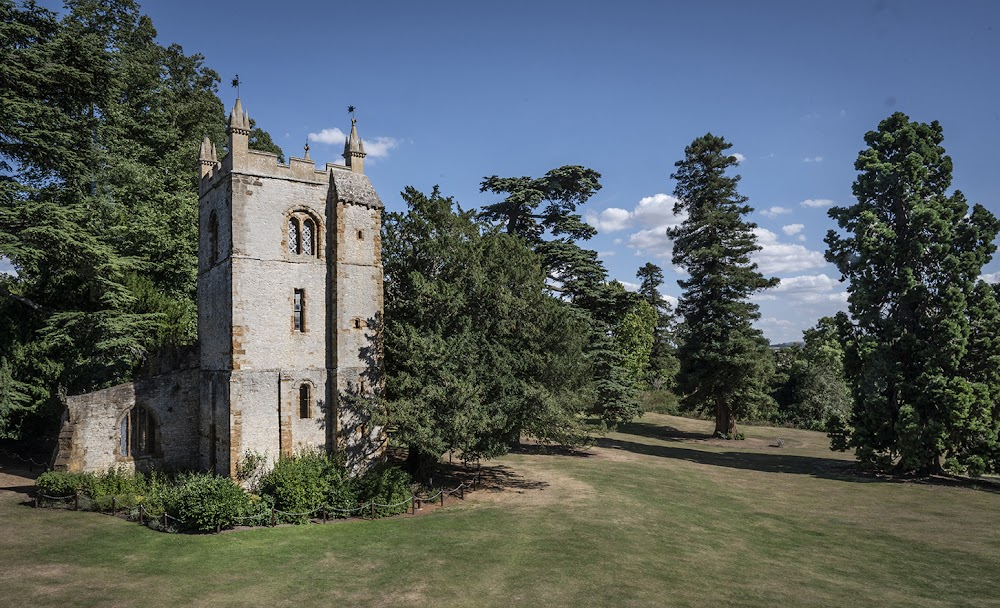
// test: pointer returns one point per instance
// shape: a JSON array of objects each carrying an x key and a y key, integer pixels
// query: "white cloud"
[
  {"x": 611, "y": 219},
  {"x": 777, "y": 258},
  {"x": 606, "y": 254},
  {"x": 672, "y": 301},
  {"x": 630, "y": 286},
  {"x": 813, "y": 159},
  {"x": 775, "y": 211},
  {"x": 992, "y": 277},
  {"x": 739, "y": 157},
  {"x": 380, "y": 146},
  {"x": 817, "y": 202},
  {"x": 6, "y": 267},
  {"x": 792, "y": 229},
  {"x": 328, "y": 136}
]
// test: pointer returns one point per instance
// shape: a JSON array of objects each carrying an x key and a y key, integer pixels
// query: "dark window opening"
[
  {"x": 357, "y": 323},
  {"x": 137, "y": 433},
  {"x": 304, "y": 391},
  {"x": 213, "y": 238},
  {"x": 361, "y": 235},
  {"x": 299, "y": 310}
]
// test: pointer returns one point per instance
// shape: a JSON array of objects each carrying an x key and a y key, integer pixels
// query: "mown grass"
[{"x": 653, "y": 516}]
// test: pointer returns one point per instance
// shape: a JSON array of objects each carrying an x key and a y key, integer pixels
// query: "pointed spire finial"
[{"x": 306, "y": 147}]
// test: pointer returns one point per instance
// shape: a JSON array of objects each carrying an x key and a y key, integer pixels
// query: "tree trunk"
[
  {"x": 725, "y": 422},
  {"x": 421, "y": 465}
]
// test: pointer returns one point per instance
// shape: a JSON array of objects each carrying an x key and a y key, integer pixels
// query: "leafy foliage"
[
  {"x": 476, "y": 352},
  {"x": 98, "y": 202},
  {"x": 204, "y": 501},
  {"x": 724, "y": 360},
  {"x": 912, "y": 253}
]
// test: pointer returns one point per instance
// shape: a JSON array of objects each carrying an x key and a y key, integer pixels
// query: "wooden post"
[
  {"x": 413, "y": 506},
  {"x": 76, "y": 501},
  {"x": 218, "y": 527},
  {"x": 164, "y": 521},
  {"x": 373, "y": 509},
  {"x": 461, "y": 491},
  {"x": 420, "y": 505},
  {"x": 442, "y": 497},
  {"x": 274, "y": 518},
  {"x": 142, "y": 512},
  {"x": 324, "y": 515},
  {"x": 114, "y": 505},
  {"x": 37, "y": 492}
]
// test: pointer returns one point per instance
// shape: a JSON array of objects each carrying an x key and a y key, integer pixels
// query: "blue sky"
[{"x": 449, "y": 92}]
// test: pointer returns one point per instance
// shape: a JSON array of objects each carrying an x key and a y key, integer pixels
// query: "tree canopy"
[
  {"x": 723, "y": 358},
  {"x": 912, "y": 252}
]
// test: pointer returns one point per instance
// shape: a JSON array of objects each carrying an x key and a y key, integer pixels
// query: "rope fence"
[
  {"x": 32, "y": 463},
  {"x": 270, "y": 518}
]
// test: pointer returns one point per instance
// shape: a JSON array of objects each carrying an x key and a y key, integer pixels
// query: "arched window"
[
  {"x": 293, "y": 235},
  {"x": 307, "y": 237},
  {"x": 304, "y": 400},
  {"x": 137, "y": 433},
  {"x": 304, "y": 234},
  {"x": 213, "y": 239}
]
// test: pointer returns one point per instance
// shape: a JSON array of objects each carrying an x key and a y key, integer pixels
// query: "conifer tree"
[
  {"x": 912, "y": 253},
  {"x": 663, "y": 362},
  {"x": 724, "y": 359}
]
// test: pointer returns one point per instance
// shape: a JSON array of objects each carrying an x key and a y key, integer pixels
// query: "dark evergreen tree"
[
  {"x": 476, "y": 352},
  {"x": 537, "y": 208},
  {"x": 725, "y": 361},
  {"x": 99, "y": 129},
  {"x": 912, "y": 253}
]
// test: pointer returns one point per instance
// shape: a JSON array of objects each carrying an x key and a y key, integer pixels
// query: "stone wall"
[{"x": 89, "y": 438}]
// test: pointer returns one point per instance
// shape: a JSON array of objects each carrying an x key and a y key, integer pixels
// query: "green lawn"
[{"x": 654, "y": 516}]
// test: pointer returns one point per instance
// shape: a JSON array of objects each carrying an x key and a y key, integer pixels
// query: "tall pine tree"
[
  {"x": 724, "y": 359},
  {"x": 912, "y": 253}
]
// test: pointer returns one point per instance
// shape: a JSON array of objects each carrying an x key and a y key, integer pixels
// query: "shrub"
[
  {"x": 303, "y": 483},
  {"x": 386, "y": 485},
  {"x": 60, "y": 483},
  {"x": 204, "y": 501}
]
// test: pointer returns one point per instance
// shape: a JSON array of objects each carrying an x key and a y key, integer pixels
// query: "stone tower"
[{"x": 289, "y": 301}]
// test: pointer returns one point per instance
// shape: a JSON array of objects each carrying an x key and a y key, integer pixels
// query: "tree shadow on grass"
[
  {"x": 824, "y": 468},
  {"x": 660, "y": 431}
]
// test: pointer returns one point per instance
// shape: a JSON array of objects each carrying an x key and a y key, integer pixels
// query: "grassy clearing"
[{"x": 656, "y": 515}]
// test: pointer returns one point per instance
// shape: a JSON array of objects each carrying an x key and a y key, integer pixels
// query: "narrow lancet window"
[
  {"x": 304, "y": 401},
  {"x": 213, "y": 238},
  {"x": 307, "y": 237},
  {"x": 299, "y": 311},
  {"x": 293, "y": 236}
]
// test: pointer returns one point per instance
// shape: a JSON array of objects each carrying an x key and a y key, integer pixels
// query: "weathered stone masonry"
[{"x": 289, "y": 299}]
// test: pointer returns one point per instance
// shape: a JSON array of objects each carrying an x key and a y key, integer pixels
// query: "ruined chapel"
[{"x": 289, "y": 301}]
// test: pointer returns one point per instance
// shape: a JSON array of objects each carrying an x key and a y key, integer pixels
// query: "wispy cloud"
[
  {"x": 739, "y": 157},
  {"x": 380, "y": 146},
  {"x": 376, "y": 148},
  {"x": 775, "y": 211},
  {"x": 776, "y": 257},
  {"x": 817, "y": 202},
  {"x": 328, "y": 136},
  {"x": 813, "y": 159},
  {"x": 992, "y": 277}
]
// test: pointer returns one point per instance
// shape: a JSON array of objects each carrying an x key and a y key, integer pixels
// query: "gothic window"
[
  {"x": 137, "y": 433},
  {"x": 361, "y": 235},
  {"x": 299, "y": 310},
  {"x": 303, "y": 234},
  {"x": 307, "y": 237},
  {"x": 213, "y": 239},
  {"x": 304, "y": 400},
  {"x": 293, "y": 236}
]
